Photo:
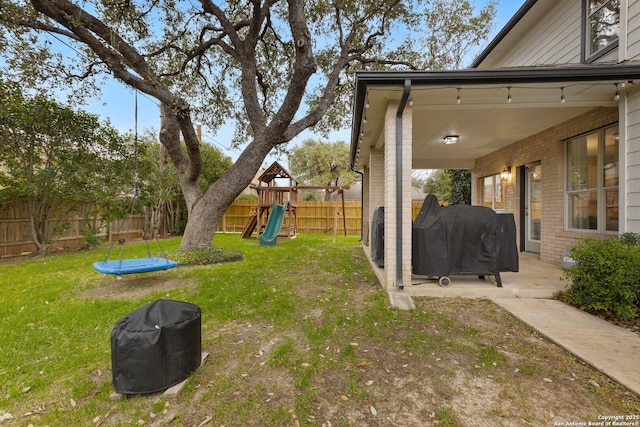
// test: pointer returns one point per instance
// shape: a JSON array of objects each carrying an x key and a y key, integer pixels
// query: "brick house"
[{"x": 547, "y": 119}]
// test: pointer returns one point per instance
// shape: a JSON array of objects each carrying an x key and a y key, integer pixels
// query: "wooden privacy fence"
[
  {"x": 313, "y": 217},
  {"x": 15, "y": 230}
]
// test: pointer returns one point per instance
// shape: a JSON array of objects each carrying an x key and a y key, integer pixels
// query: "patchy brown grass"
[
  {"x": 315, "y": 343},
  {"x": 456, "y": 362}
]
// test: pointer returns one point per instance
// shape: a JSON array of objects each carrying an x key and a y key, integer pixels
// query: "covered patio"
[
  {"x": 485, "y": 117},
  {"x": 536, "y": 279},
  {"x": 402, "y": 121}
]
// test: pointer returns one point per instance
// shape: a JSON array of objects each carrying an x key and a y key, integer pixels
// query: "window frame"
[
  {"x": 600, "y": 189},
  {"x": 587, "y": 56},
  {"x": 496, "y": 181}
]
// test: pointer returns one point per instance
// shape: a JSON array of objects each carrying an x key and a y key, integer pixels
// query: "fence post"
[{"x": 224, "y": 222}]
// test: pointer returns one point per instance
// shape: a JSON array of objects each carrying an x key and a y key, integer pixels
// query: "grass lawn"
[{"x": 298, "y": 334}]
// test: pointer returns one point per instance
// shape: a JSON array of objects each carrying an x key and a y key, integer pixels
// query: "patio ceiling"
[{"x": 484, "y": 119}]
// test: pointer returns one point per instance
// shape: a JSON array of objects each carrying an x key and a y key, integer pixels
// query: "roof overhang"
[{"x": 484, "y": 120}]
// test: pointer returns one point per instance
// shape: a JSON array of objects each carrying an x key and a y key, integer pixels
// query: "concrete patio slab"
[{"x": 536, "y": 279}]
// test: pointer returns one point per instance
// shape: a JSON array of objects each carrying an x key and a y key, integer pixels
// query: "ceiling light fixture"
[
  {"x": 509, "y": 94},
  {"x": 458, "y": 99},
  {"x": 562, "y": 98},
  {"x": 451, "y": 139},
  {"x": 617, "y": 97}
]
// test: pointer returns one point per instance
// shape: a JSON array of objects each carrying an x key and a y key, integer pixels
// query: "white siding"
[
  {"x": 632, "y": 169},
  {"x": 556, "y": 39},
  {"x": 633, "y": 32}
]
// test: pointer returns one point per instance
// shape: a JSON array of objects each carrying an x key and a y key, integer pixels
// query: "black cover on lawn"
[
  {"x": 462, "y": 240},
  {"x": 155, "y": 346}
]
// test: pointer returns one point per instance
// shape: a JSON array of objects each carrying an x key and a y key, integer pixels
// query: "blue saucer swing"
[{"x": 134, "y": 265}]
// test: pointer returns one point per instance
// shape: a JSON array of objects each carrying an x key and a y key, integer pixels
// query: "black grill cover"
[
  {"x": 460, "y": 239},
  {"x": 377, "y": 237},
  {"x": 508, "y": 259},
  {"x": 155, "y": 346}
]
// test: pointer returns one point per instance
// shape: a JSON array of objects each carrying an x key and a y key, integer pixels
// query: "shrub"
[
  {"x": 212, "y": 255},
  {"x": 247, "y": 196},
  {"x": 631, "y": 239},
  {"x": 606, "y": 279},
  {"x": 90, "y": 235}
]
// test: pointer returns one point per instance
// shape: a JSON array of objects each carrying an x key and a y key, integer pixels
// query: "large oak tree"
[{"x": 274, "y": 67}]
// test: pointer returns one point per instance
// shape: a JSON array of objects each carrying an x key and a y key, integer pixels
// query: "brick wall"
[
  {"x": 366, "y": 204},
  {"x": 385, "y": 185},
  {"x": 546, "y": 148},
  {"x": 375, "y": 172},
  {"x": 376, "y": 182},
  {"x": 390, "y": 176}
]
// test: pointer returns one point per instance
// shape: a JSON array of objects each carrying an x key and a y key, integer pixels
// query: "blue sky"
[{"x": 117, "y": 102}]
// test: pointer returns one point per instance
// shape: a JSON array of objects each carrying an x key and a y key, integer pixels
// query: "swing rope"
[{"x": 136, "y": 199}]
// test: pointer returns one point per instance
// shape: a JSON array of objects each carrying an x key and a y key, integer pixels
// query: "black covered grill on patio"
[{"x": 463, "y": 240}]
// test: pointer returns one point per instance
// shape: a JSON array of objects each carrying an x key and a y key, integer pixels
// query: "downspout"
[
  {"x": 399, "y": 201},
  {"x": 361, "y": 202}
]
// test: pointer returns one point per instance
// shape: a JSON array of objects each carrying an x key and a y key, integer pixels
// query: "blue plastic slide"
[{"x": 274, "y": 224}]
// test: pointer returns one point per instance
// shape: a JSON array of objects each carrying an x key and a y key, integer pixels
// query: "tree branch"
[
  {"x": 245, "y": 54},
  {"x": 115, "y": 52},
  {"x": 37, "y": 25},
  {"x": 364, "y": 60}
]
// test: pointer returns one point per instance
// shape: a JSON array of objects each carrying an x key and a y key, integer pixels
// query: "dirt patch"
[
  {"x": 453, "y": 362},
  {"x": 135, "y": 287}
]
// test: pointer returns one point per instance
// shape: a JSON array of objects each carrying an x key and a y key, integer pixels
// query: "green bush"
[
  {"x": 606, "y": 278},
  {"x": 91, "y": 238},
  {"x": 212, "y": 255},
  {"x": 630, "y": 239},
  {"x": 246, "y": 196}
]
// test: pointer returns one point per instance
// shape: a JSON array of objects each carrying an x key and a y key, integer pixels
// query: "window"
[
  {"x": 491, "y": 193},
  {"x": 602, "y": 26},
  {"x": 592, "y": 181}
]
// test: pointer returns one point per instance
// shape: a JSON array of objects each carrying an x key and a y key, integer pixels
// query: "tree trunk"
[
  {"x": 202, "y": 224},
  {"x": 207, "y": 212},
  {"x": 38, "y": 225}
]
